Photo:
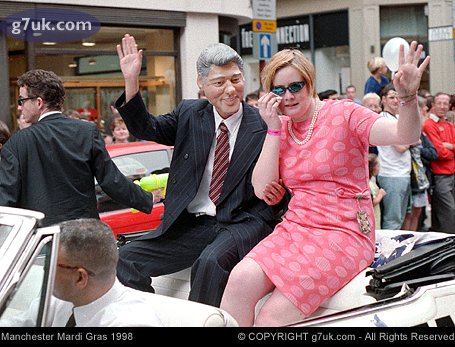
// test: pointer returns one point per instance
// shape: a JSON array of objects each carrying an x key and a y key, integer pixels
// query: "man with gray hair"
[{"x": 212, "y": 217}]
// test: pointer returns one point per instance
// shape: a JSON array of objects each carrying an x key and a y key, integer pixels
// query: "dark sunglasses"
[
  {"x": 293, "y": 88},
  {"x": 21, "y": 100}
]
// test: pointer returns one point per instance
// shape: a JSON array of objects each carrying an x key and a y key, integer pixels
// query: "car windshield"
[
  {"x": 142, "y": 164},
  {"x": 130, "y": 166},
  {"x": 135, "y": 166}
]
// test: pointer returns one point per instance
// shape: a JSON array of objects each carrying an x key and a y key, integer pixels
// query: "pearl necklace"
[{"x": 317, "y": 108}]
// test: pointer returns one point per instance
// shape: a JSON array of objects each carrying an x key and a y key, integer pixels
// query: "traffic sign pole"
[{"x": 264, "y": 30}]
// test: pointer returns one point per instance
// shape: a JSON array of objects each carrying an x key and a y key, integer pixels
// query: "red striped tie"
[{"x": 220, "y": 164}]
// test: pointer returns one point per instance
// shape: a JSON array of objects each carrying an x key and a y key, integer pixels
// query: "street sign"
[
  {"x": 264, "y": 45},
  {"x": 440, "y": 33},
  {"x": 264, "y": 29},
  {"x": 268, "y": 26},
  {"x": 264, "y": 9}
]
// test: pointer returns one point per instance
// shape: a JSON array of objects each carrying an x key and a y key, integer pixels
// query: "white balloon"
[{"x": 391, "y": 51}]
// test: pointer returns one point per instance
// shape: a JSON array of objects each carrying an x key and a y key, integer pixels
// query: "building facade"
[
  {"x": 338, "y": 36},
  {"x": 172, "y": 34}
]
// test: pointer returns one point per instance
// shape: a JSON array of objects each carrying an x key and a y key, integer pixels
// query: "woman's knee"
[
  {"x": 246, "y": 276},
  {"x": 237, "y": 274}
]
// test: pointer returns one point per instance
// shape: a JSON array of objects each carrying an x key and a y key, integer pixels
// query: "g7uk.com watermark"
[
  {"x": 294, "y": 336},
  {"x": 27, "y": 23},
  {"x": 355, "y": 335},
  {"x": 51, "y": 25}
]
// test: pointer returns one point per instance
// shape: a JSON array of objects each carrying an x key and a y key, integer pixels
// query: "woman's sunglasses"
[{"x": 293, "y": 88}]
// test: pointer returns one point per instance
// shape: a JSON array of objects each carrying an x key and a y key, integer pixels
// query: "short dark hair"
[
  {"x": 45, "y": 84},
  {"x": 326, "y": 93},
  {"x": 251, "y": 96},
  {"x": 386, "y": 89}
]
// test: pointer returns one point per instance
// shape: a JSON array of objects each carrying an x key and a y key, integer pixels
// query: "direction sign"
[
  {"x": 268, "y": 26},
  {"x": 264, "y": 29},
  {"x": 264, "y": 45}
]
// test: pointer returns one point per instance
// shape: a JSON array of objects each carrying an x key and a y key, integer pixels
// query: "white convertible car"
[
  {"x": 28, "y": 256},
  {"x": 418, "y": 288}
]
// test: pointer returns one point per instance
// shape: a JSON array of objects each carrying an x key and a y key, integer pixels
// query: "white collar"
[
  {"x": 47, "y": 114},
  {"x": 86, "y": 312},
  {"x": 434, "y": 117},
  {"x": 231, "y": 122}
]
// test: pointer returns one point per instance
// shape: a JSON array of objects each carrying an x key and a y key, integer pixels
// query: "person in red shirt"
[{"x": 442, "y": 135}]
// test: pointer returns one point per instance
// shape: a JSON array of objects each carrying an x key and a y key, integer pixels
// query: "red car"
[{"x": 135, "y": 160}]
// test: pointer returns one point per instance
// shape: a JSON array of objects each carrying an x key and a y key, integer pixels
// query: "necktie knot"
[{"x": 223, "y": 128}]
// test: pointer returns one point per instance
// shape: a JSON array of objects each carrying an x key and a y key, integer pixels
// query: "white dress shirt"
[
  {"x": 121, "y": 306},
  {"x": 202, "y": 203}
]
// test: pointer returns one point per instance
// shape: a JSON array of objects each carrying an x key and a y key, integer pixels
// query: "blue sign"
[{"x": 265, "y": 46}]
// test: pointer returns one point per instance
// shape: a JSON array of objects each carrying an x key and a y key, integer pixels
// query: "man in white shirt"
[
  {"x": 395, "y": 170},
  {"x": 86, "y": 283}
]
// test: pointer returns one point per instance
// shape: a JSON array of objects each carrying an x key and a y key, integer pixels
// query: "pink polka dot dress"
[{"x": 319, "y": 247}]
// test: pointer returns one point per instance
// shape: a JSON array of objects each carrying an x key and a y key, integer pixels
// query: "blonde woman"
[{"x": 377, "y": 80}]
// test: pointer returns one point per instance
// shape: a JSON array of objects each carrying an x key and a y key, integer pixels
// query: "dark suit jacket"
[
  {"x": 190, "y": 128},
  {"x": 51, "y": 167}
]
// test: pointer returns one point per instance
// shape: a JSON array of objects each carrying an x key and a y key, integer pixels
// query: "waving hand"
[
  {"x": 407, "y": 79},
  {"x": 130, "y": 64}
]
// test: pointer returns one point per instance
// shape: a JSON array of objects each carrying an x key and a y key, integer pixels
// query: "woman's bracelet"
[
  {"x": 407, "y": 102},
  {"x": 274, "y": 132}
]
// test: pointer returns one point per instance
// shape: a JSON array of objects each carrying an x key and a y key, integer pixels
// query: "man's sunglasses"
[
  {"x": 293, "y": 88},
  {"x": 21, "y": 100}
]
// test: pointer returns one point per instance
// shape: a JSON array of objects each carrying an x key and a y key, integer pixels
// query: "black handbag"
[{"x": 427, "y": 263}]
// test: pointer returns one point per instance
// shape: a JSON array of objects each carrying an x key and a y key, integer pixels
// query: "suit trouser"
[
  {"x": 197, "y": 242},
  {"x": 443, "y": 204}
]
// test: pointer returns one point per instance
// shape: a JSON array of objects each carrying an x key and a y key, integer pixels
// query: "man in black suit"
[
  {"x": 195, "y": 232},
  {"x": 51, "y": 166}
]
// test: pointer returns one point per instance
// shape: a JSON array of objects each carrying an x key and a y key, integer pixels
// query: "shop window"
[{"x": 92, "y": 75}]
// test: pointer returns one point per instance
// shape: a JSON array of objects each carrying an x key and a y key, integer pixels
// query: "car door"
[
  {"x": 124, "y": 222},
  {"x": 27, "y": 270}
]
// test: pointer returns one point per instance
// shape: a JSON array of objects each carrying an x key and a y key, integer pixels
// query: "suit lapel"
[{"x": 202, "y": 137}]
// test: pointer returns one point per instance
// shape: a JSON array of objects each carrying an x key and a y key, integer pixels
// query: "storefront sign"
[{"x": 289, "y": 33}]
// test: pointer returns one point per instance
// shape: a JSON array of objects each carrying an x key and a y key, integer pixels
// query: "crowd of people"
[{"x": 274, "y": 192}]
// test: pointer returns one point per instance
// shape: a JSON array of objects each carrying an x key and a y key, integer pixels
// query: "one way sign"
[{"x": 264, "y": 45}]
